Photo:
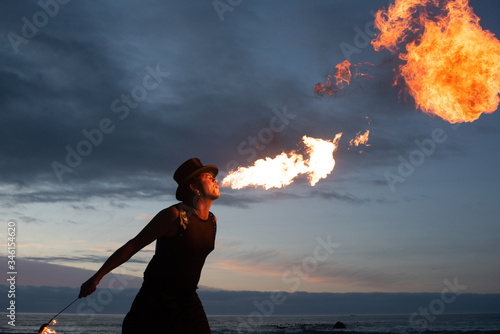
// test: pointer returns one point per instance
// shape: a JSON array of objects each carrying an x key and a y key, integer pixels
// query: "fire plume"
[
  {"x": 452, "y": 65},
  {"x": 281, "y": 170},
  {"x": 340, "y": 79},
  {"x": 361, "y": 139}
]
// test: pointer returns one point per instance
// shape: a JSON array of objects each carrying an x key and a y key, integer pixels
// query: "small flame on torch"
[
  {"x": 47, "y": 330},
  {"x": 281, "y": 170}
]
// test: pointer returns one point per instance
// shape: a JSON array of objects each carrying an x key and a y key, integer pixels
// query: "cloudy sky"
[{"x": 100, "y": 102}]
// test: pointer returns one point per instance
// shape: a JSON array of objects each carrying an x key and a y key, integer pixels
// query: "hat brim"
[{"x": 183, "y": 188}]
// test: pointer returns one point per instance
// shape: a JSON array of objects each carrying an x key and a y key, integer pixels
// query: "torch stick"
[{"x": 45, "y": 325}]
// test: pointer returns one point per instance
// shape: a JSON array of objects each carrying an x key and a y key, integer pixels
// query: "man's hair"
[{"x": 190, "y": 195}]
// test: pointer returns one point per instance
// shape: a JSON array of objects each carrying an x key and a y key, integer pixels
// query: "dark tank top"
[{"x": 175, "y": 269}]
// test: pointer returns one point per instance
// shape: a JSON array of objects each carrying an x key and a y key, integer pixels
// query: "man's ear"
[{"x": 193, "y": 188}]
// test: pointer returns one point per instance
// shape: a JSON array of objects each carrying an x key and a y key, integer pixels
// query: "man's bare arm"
[{"x": 163, "y": 224}]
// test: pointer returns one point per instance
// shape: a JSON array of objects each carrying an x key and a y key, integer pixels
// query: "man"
[{"x": 185, "y": 234}]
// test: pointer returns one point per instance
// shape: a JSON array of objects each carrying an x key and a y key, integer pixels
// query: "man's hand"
[{"x": 88, "y": 287}]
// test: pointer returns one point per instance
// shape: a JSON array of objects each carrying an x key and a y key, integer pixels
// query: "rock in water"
[{"x": 339, "y": 324}]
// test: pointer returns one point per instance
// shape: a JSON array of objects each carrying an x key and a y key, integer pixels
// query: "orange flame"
[
  {"x": 342, "y": 77},
  {"x": 361, "y": 139},
  {"x": 281, "y": 171},
  {"x": 47, "y": 330},
  {"x": 452, "y": 65}
]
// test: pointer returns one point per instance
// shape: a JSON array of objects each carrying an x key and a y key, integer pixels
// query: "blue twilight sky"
[{"x": 164, "y": 81}]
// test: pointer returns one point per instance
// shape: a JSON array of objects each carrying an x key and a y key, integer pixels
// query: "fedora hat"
[{"x": 186, "y": 172}]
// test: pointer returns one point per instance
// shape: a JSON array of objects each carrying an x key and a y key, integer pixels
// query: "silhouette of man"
[{"x": 185, "y": 234}]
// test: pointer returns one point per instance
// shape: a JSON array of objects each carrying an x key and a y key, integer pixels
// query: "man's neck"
[{"x": 202, "y": 207}]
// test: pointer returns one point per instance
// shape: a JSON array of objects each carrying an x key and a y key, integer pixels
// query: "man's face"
[{"x": 209, "y": 186}]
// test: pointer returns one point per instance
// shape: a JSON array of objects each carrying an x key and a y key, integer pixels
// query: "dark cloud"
[
  {"x": 39, "y": 272},
  {"x": 77, "y": 259},
  {"x": 224, "y": 81},
  {"x": 29, "y": 219},
  {"x": 342, "y": 197},
  {"x": 83, "y": 207},
  {"x": 78, "y": 192}
]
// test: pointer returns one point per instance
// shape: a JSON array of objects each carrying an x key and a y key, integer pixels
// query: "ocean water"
[{"x": 111, "y": 324}]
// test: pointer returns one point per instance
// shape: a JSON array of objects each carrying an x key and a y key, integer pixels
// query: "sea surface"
[{"x": 111, "y": 324}]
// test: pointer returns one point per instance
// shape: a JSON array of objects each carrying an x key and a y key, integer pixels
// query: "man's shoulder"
[{"x": 170, "y": 213}]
